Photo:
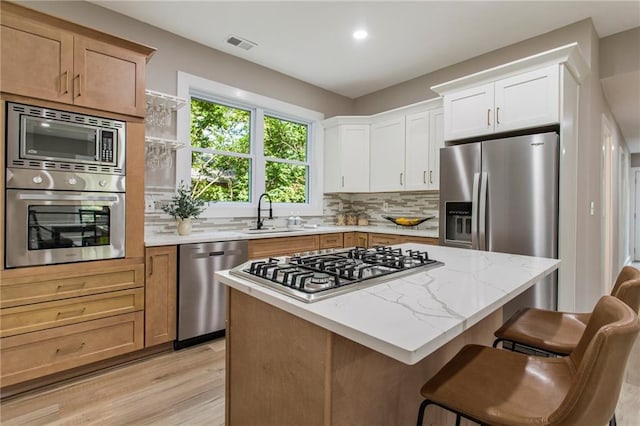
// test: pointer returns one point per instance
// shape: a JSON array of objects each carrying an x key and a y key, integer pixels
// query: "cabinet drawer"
[
  {"x": 37, "y": 354},
  {"x": 422, "y": 240},
  {"x": 385, "y": 239},
  {"x": 48, "y": 283},
  {"x": 39, "y": 316},
  {"x": 282, "y": 246},
  {"x": 331, "y": 241},
  {"x": 349, "y": 239}
]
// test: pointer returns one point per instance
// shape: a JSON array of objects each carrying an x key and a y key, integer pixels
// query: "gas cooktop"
[{"x": 319, "y": 276}]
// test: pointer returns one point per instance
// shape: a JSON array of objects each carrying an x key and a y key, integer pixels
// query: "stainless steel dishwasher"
[{"x": 201, "y": 298}]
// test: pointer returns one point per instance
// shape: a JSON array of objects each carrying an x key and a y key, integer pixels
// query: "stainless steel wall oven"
[{"x": 65, "y": 180}]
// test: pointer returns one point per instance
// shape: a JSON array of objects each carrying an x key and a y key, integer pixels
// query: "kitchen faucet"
[{"x": 259, "y": 224}]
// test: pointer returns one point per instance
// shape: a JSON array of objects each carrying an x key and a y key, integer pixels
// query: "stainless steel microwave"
[{"x": 49, "y": 139}]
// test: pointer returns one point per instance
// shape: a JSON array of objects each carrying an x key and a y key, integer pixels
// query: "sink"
[{"x": 266, "y": 230}]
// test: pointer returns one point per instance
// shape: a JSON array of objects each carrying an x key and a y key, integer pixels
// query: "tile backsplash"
[{"x": 410, "y": 204}]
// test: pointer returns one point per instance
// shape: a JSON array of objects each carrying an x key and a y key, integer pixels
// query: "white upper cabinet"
[
  {"x": 521, "y": 101},
  {"x": 346, "y": 158},
  {"x": 387, "y": 155},
  {"x": 417, "y": 148},
  {"x": 436, "y": 141},
  {"x": 405, "y": 151}
]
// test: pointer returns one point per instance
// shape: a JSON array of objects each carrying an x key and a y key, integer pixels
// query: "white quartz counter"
[
  {"x": 410, "y": 317},
  {"x": 159, "y": 239}
]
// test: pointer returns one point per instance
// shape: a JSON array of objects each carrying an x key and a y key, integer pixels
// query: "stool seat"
[
  {"x": 556, "y": 332},
  {"x": 497, "y": 387},
  {"x": 500, "y": 387},
  {"x": 559, "y": 332}
]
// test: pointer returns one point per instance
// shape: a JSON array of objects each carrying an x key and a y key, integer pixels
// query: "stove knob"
[
  {"x": 72, "y": 181},
  {"x": 37, "y": 179}
]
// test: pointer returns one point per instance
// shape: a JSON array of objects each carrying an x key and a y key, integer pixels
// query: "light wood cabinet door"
[
  {"x": 387, "y": 155},
  {"x": 282, "y": 246},
  {"x": 527, "y": 100},
  {"x": 469, "y": 112},
  {"x": 385, "y": 239},
  {"x": 36, "y": 60},
  {"x": 349, "y": 239},
  {"x": 40, "y": 316},
  {"x": 31, "y": 355},
  {"x": 334, "y": 240},
  {"x": 108, "y": 77},
  {"x": 417, "y": 153},
  {"x": 362, "y": 239},
  {"x": 160, "y": 295}
]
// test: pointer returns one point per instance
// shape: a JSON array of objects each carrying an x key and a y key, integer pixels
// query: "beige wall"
[
  {"x": 179, "y": 54},
  {"x": 418, "y": 89},
  {"x": 620, "y": 53}
]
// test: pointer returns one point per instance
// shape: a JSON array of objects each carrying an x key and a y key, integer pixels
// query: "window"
[
  {"x": 220, "y": 151},
  {"x": 286, "y": 166},
  {"x": 242, "y": 145}
]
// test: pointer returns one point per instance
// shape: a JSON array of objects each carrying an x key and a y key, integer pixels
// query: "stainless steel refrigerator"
[{"x": 502, "y": 195}]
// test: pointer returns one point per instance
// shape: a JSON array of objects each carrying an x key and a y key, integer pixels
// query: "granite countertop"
[
  {"x": 410, "y": 317},
  {"x": 202, "y": 237}
]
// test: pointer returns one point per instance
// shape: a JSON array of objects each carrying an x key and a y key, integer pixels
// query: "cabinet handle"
[
  {"x": 79, "y": 86},
  {"x": 424, "y": 176},
  {"x": 343, "y": 181},
  {"x": 401, "y": 178},
  {"x": 72, "y": 286},
  {"x": 498, "y": 115},
  {"x": 430, "y": 176},
  {"x": 150, "y": 265},
  {"x": 66, "y": 82},
  {"x": 67, "y": 351},
  {"x": 72, "y": 313},
  {"x": 489, "y": 117}
]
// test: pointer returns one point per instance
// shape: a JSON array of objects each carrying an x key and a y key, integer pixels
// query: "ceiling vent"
[{"x": 241, "y": 42}]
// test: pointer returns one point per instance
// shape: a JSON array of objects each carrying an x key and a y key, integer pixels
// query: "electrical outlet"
[
  {"x": 149, "y": 205},
  {"x": 340, "y": 206},
  {"x": 385, "y": 206}
]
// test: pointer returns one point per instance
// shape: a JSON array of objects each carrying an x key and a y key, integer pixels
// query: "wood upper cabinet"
[
  {"x": 529, "y": 99},
  {"x": 47, "y": 58},
  {"x": 160, "y": 295},
  {"x": 36, "y": 60}
]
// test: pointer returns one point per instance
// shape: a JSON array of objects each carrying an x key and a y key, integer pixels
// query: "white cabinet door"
[
  {"x": 387, "y": 155},
  {"x": 417, "y": 151},
  {"x": 436, "y": 141},
  {"x": 354, "y": 157},
  {"x": 332, "y": 173},
  {"x": 469, "y": 112},
  {"x": 527, "y": 100}
]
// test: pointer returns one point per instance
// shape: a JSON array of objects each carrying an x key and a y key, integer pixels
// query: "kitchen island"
[{"x": 361, "y": 357}]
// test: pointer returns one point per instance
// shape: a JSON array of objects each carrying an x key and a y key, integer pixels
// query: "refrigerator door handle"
[
  {"x": 482, "y": 219},
  {"x": 474, "y": 212}
]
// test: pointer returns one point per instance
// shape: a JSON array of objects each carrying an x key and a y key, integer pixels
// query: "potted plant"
[{"x": 183, "y": 207}]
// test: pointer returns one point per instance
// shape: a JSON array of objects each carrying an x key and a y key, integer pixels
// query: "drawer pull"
[
  {"x": 68, "y": 351},
  {"x": 72, "y": 313},
  {"x": 72, "y": 286},
  {"x": 66, "y": 82}
]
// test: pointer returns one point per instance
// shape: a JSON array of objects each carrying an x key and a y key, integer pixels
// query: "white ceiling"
[{"x": 312, "y": 41}]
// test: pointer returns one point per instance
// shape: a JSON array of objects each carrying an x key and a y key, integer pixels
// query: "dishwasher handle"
[
  {"x": 207, "y": 254},
  {"x": 216, "y": 253}
]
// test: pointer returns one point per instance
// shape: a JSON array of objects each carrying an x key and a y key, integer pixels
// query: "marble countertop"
[
  {"x": 410, "y": 317},
  {"x": 158, "y": 239}
]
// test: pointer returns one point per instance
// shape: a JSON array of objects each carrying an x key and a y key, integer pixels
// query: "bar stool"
[
  {"x": 558, "y": 333},
  {"x": 497, "y": 387}
]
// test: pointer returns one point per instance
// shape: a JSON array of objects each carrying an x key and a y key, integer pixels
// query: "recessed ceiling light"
[{"x": 360, "y": 34}]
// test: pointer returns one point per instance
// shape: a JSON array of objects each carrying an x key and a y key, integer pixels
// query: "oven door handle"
[{"x": 44, "y": 197}]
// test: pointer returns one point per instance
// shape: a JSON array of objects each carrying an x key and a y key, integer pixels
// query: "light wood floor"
[{"x": 179, "y": 388}]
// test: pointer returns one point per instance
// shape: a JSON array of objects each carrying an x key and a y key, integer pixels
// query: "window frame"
[{"x": 202, "y": 88}]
